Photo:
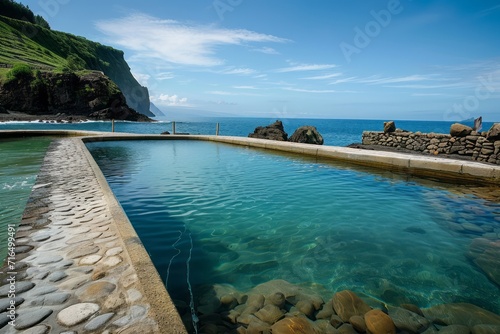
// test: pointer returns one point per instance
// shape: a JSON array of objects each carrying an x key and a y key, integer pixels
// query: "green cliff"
[{"x": 58, "y": 52}]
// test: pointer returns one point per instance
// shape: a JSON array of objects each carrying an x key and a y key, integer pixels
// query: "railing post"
[
  {"x": 113, "y": 125},
  {"x": 173, "y": 128},
  {"x": 217, "y": 129}
]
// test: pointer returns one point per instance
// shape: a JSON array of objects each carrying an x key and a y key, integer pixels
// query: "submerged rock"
[
  {"x": 307, "y": 135},
  {"x": 273, "y": 131},
  {"x": 486, "y": 255},
  {"x": 377, "y": 322},
  {"x": 347, "y": 304},
  {"x": 294, "y": 325},
  {"x": 461, "y": 314},
  {"x": 406, "y": 320}
]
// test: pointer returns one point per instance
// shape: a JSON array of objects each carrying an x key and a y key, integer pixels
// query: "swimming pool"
[{"x": 212, "y": 213}]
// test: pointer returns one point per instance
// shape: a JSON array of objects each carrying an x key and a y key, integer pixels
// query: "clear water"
[
  {"x": 338, "y": 132},
  {"x": 243, "y": 216},
  {"x": 20, "y": 161}
]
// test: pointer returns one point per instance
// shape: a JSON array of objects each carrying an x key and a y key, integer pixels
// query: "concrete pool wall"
[{"x": 79, "y": 244}]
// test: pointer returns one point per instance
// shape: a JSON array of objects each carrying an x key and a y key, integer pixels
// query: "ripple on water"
[{"x": 255, "y": 216}]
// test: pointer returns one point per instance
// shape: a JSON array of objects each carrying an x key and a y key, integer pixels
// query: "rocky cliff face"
[{"x": 89, "y": 94}]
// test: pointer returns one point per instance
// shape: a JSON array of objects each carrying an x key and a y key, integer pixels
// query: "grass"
[{"x": 18, "y": 48}]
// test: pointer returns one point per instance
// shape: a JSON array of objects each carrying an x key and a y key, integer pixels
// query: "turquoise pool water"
[
  {"x": 212, "y": 213},
  {"x": 20, "y": 161}
]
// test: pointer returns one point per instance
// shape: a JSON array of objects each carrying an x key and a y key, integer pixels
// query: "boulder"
[
  {"x": 389, "y": 127},
  {"x": 377, "y": 322},
  {"x": 461, "y": 314},
  {"x": 494, "y": 132},
  {"x": 307, "y": 135},
  {"x": 485, "y": 254},
  {"x": 294, "y": 325},
  {"x": 347, "y": 304},
  {"x": 273, "y": 131},
  {"x": 408, "y": 321},
  {"x": 460, "y": 130}
]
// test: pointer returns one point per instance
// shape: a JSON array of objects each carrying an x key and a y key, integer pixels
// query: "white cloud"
[
  {"x": 245, "y": 87},
  {"x": 267, "y": 50},
  {"x": 306, "y": 67},
  {"x": 241, "y": 71},
  {"x": 141, "y": 78},
  {"x": 175, "y": 42},
  {"x": 170, "y": 100},
  {"x": 314, "y": 91},
  {"x": 165, "y": 76},
  {"x": 322, "y": 77}
]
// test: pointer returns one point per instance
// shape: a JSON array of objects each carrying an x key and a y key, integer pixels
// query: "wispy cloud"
[
  {"x": 267, "y": 50},
  {"x": 323, "y": 77},
  {"x": 245, "y": 87},
  {"x": 315, "y": 91},
  {"x": 488, "y": 11},
  {"x": 176, "y": 42},
  {"x": 305, "y": 67},
  {"x": 165, "y": 76},
  {"x": 226, "y": 93},
  {"x": 170, "y": 100},
  {"x": 240, "y": 71}
]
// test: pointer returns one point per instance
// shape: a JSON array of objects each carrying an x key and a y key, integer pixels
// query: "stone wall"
[{"x": 475, "y": 145}]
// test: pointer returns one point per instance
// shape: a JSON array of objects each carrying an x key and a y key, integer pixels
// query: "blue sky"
[{"x": 388, "y": 59}]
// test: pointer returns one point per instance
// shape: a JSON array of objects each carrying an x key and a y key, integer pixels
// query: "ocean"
[{"x": 335, "y": 132}]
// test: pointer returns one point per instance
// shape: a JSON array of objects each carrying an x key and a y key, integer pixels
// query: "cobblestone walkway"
[{"x": 73, "y": 273}]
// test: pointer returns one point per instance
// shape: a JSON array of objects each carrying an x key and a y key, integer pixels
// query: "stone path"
[{"x": 74, "y": 272}]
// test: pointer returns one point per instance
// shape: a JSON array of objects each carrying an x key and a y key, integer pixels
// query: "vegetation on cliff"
[{"x": 26, "y": 39}]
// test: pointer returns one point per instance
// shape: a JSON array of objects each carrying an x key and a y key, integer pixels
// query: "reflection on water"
[
  {"x": 243, "y": 217},
  {"x": 20, "y": 161}
]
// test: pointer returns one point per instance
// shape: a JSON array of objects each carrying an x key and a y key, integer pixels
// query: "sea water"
[
  {"x": 20, "y": 161},
  {"x": 212, "y": 213},
  {"x": 338, "y": 132}
]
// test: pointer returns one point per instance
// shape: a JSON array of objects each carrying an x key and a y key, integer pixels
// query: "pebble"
[
  {"x": 77, "y": 313},
  {"x": 20, "y": 288},
  {"x": 90, "y": 259},
  {"x": 42, "y": 259},
  {"x": 6, "y": 302},
  {"x": 114, "y": 251},
  {"x": 30, "y": 317},
  {"x": 57, "y": 276},
  {"x": 41, "y": 329},
  {"x": 43, "y": 290},
  {"x": 98, "y": 321},
  {"x": 52, "y": 299},
  {"x": 111, "y": 261}
]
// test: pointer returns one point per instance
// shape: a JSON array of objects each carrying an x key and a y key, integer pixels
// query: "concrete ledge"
[{"x": 162, "y": 308}]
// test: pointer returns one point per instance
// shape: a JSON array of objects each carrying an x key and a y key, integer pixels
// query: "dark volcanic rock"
[
  {"x": 91, "y": 94},
  {"x": 389, "y": 127},
  {"x": 274, "y": 131},
  {"x": 307, "y": 135}
]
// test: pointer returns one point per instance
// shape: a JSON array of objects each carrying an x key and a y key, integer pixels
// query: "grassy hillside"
[{"x": 24, "y": 42}]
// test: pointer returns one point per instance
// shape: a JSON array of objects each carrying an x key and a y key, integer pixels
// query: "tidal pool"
[
  {"x": 20, "y": 161},
  {"x": 212, "y": 213}
]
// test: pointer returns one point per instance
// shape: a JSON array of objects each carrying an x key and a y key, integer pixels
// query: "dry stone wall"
[{"x": 476, "y": 146}]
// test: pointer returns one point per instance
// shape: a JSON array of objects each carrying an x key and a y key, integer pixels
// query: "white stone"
[
  {"x": 114, "y": 251},
  {"x": 90, "y": 259},
  {"x": 77, "y": 313}
]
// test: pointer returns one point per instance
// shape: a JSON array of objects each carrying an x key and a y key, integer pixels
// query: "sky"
[{"x": 355, "y": 59}]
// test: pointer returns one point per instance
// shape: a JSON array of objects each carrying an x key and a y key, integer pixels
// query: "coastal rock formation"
[
  {"x": 274, "y": 131},
  {"x": 494, "y": 132},
  {"x": 91, "y": 94},
  {"x": 278, "y": 306},
  {"x": 460, "y": 130},
  {"x": 307, "y": 135},
  {"x": 389, "y": 127}
]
